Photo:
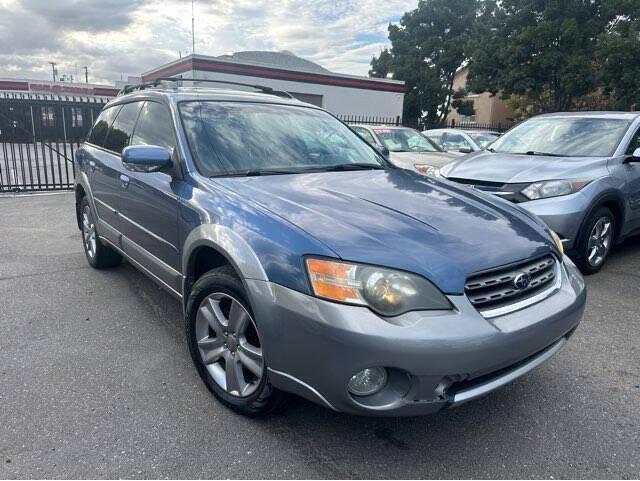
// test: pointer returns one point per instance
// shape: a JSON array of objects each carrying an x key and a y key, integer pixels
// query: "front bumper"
[
  {"x": 434, "y": 359},
  {"x": 563, "y": 215}
]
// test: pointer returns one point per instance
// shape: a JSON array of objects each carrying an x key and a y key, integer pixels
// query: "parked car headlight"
[
  {"x": 429, "y": 170},
  {"x": 553, "y": 188},
  {"x": 386, "y": 291}
]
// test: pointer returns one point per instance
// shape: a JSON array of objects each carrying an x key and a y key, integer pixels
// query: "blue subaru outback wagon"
[{"x": 307, "y": 264}]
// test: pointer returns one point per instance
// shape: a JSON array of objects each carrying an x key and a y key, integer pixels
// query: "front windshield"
[
  {"x": 405, "y": 140},
  {"x": 483, "y": 139},
  {"x": 564, "y": 136},
  {"x": 229, "y": 138}
]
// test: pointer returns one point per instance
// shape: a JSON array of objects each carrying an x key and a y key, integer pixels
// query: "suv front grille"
[
  {"x": 510, "y": 192},
  {"x": 493, "y": 291}
]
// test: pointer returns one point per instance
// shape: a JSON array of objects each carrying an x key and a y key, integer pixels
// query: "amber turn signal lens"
[
  {"x": 334, "y": 280},
  {"x": 558, "y": 242}
]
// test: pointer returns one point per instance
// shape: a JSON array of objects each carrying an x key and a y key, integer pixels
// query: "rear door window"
[
  {"x": 101, "y": 127},
  {"x": 122, "y": 127}
]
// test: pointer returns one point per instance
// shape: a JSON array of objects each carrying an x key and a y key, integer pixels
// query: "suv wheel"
[
  {"x": 596, "y": 240},
  {"x": 225, "y": 345},
  {"x": 98, "y": 255}
]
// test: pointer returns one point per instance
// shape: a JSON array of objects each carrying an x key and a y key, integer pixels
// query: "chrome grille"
[{"x": 496, "y": 288}]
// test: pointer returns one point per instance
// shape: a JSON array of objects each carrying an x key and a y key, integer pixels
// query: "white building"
[{"x": 346, "y": 96}]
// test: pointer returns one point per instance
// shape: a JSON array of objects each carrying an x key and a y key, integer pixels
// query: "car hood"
[
  {"x": 409, "y": 159},
  {"x": 513, "y": 168},
  {"x": 400, "y": 219}
]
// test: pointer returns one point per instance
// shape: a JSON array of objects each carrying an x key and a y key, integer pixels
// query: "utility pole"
[
  {"x": 53, "y": 70},
  {"x": 86, "y": 74},
  {"x": 193, "y": 31}
]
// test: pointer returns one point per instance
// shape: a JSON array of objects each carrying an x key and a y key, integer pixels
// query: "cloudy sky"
[{"x": 128, "y": 37}]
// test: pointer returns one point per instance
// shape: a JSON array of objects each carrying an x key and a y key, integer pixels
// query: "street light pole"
[
  {"x": 86, "y": 74},
  {"x": 53, "y": 70}
]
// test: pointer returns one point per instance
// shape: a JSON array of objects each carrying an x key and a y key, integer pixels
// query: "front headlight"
[
  {"x": 553, "y": 188},
  {"x": 429, "y": 170},
  {"x": 385, "y": 291}
]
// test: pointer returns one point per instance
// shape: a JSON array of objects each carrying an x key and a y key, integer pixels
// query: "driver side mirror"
[
  {"x": 465, "y": 150},
  {"x": 146, "y": 158},
  {"x": 383, "y": 151}
]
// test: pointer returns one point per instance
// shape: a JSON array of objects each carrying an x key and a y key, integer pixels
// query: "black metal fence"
[
  {"x": 370, "y": 120},
  {"x": 452, "y": 124},
  {"x": 418, "y": 124},
  {"x": 39, "y": 135}
]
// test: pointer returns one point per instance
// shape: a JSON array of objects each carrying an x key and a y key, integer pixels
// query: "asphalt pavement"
[{"x": 96, "y": 382}]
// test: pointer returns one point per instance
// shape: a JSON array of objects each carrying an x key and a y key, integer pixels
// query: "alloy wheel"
[
  {"x": 228, "y": 344},
  {"x": 88, "y": 232},
  {"x": 600, "y": 240}
]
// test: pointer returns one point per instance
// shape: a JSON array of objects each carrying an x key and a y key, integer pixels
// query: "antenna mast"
[{"x": 193, "y": 31}]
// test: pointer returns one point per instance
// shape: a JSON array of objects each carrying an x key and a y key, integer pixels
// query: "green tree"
[
  {"x": 462, "y": 106},
  {"x": 381, "y": 66},
  {"x": 542, "y": 51},
  {"x": 427, "y": 47},
  {"x": 618, "y": 56}
]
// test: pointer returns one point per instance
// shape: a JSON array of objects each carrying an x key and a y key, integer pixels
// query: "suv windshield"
[
  {"x": 228, "y": 138},
  {"x": 567, "y": 137},
  {"x": 405, "y": 140}
]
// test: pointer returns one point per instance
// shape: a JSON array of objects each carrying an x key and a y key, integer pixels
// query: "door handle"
[{"x": 124, "y": 180}]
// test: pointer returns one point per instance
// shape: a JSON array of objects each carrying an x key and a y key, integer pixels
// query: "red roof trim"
[
  {"x": 268, "y": 72},
  {"x": 105, "y": 91},
  {"x": 4, "y": 85}
]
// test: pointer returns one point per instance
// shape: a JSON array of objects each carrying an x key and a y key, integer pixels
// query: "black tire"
[
  {"x": 265, "y": 399},
  {"x": 104, "y": 256},
  {"x": 583, "y": 247}
]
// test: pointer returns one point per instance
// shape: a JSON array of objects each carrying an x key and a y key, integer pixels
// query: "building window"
[
  {"x": 48, "y": 116},
  {"x": 76, "y": 117}
]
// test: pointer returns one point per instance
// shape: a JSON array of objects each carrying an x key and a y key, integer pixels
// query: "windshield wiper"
[
  {"x": 256, "y": 172},
  {"x": 546, "y": 154},
  {"x": 344, "y": 167}
]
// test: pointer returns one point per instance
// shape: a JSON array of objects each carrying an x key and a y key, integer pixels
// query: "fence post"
[
  {"x": 33, "y": 126},
  {"x": 64, "y": 123}
]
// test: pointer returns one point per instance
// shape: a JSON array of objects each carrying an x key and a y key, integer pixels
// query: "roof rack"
[{"x": 156, "y": 82}]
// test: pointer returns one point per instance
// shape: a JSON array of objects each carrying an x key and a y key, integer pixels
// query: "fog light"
[{"x": 368, "y": 381}]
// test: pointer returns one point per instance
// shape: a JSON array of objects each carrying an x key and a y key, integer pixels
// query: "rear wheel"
[
  {"x": 225, "y": 345},
  {"x": 98, "y": 255},
  {"x": 596, "y": 240}
]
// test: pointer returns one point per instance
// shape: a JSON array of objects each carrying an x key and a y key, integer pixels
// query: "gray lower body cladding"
[{"x": 433, "y": 359}]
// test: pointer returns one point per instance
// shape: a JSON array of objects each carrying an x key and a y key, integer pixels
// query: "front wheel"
[
  {"x": 596, "y": 240},
  {"x": 225, "y": 345}
]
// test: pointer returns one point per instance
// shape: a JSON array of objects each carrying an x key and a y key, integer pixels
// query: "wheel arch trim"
[
  {"x": 226, "y": 242},
  {"x": 600, "y": 201}
]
